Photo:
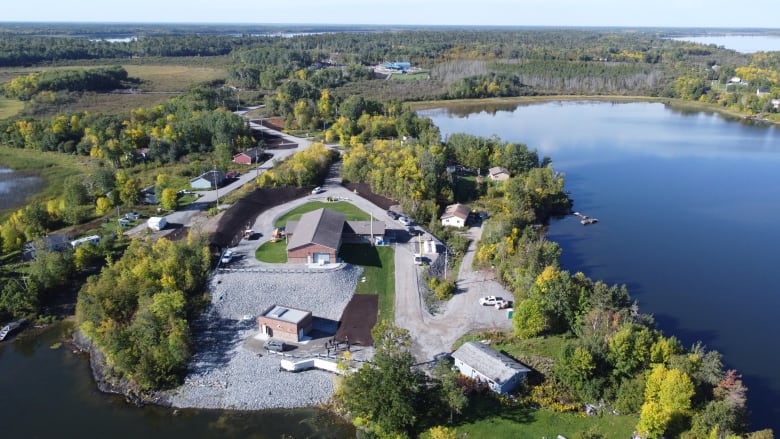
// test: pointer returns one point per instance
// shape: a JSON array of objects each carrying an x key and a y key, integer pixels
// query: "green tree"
[
  {"x": 384, "y": 395},
  {"x": 629, "y": 349},
  {"x": 529, "y": 319},
  {"x": 452, "y": 395}
]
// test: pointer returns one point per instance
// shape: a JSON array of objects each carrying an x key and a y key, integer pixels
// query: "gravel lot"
[{"x": 224, "y": 374}]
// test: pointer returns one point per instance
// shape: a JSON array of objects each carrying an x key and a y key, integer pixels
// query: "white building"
[
  {"x": 455, "y": 215},
  {"x": 483, "y": 363}
]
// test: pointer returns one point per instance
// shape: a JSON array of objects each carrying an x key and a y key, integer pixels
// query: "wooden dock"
[{"x": 585, "y": 219}]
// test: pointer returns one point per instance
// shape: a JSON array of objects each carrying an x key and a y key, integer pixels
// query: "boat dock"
[{"x": 585, "y": 219}]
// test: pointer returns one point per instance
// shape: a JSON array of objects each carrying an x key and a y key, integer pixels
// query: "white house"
[
  {"x": 498, "y": 173},
  {"x": 455, "y": 215},
  {"x": 481, "y": 362}
]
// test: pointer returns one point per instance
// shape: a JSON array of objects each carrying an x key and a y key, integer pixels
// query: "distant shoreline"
[{"x": 517, "y": 100}]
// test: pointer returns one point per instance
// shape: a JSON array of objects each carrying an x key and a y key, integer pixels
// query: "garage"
[{"x": 321, "y": 258}]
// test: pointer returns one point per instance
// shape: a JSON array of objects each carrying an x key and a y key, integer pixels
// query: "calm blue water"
[
  {"x": 740, "y": 43},
  {"x": 688, "y": 204}
]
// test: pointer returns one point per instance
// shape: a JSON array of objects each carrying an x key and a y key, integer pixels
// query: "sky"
[{"x": 629, "y": 13}]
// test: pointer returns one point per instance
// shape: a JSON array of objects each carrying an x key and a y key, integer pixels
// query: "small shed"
[
  {"x": 455, "y": 215},
  {"x": 285, "y": 323},
  {"x": 208, "y": 180},
  {"x": 251, "y": 155},
  {"x": 498, "y": 173},
  {"x": 483, "y": 363}
]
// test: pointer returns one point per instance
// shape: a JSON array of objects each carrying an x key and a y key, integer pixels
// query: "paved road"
[{"x": 191, "y": 215}]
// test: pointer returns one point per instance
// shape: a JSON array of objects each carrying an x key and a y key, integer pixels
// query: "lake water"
[
  {"x": 688, "y": 206},
  {"x": 47, "y": 391},
  {"x": 15, "y": 187},
  {"x": 740, "y": 43}
]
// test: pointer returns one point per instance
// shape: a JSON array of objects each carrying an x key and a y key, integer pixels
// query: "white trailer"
[{"x": 157, "y": 223}]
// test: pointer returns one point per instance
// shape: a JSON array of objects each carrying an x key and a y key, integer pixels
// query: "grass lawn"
[
  {"x": 272, "y": 252},
  {"x": 486, "y": 417},
  {"x": 379, "y": 271},
  {"x": 350, "y": 211},
  {"x": 173, "y": 77},
  {"x": 9, "y": 107}
]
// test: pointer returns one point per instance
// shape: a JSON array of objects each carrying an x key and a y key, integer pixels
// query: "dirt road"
[{"x": 433, "y": 335}]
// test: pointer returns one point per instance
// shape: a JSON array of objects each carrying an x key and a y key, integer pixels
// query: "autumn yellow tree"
[{"x": 668, "y": 394}]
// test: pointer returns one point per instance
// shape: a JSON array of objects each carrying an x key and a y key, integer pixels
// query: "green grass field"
[
  {"x": 173, "y": 77},
  {"x": 272, "y": 252},
  {"x": 350, "y": 211},
  {"x": 379, "y": 271},
  {"x": 486, "y": 417},
  {"x": 9, "y": 107}
]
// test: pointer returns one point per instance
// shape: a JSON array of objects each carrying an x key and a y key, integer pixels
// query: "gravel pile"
[
  {"x": 325, "y": 293},
  {"x": 225, "y": 375}
]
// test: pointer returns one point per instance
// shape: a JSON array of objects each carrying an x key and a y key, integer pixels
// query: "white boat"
[{"x": 7, "y": 329}]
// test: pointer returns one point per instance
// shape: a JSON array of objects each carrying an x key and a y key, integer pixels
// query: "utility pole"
[
  {"x": 445, "y": 262},
  {"x": 216, "y": 186}
]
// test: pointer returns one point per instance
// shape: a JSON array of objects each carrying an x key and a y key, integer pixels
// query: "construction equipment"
[{"x": 277, "y": 234}]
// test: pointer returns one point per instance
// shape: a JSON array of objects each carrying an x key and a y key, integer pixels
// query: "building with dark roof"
[
  {"x": 315, "y": 238},
  {"x": 483, "y": 363},
  {"x": 455, "y": 215},
  {"x": 318, "y": 235}
]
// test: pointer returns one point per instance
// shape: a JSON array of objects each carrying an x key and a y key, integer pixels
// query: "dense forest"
[{"x": 139, "y": 298}]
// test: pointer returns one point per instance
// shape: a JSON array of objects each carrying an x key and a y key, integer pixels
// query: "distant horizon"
[
  {"x": 382, "y": 25},
  {"x": 762, "y": 14}
]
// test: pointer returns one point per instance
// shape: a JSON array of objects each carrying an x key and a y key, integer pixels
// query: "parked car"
[
  {"x": 275, "y": 345},
  {"x": 404, "y": 220},
  {"x": 132, "y": 216},
  {"x": 317, "y": 190},
  {"x": 227, "y": 256},
  {"x": 503, "y": 304},
  {"x": 393, "y": 214},
  {"x": 490, "y": 300},
  {"x": 418, "y": 260},
  {"x": 124, "y": 222}
]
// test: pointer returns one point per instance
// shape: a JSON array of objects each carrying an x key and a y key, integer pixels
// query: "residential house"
[
  {"x": 497, "y": 173},
  {"x": 208, "y": 180},
  {"x": 455, "y": 215},
  {"x": 285, "y": 323},
  {"x": 248, "y": 157},
  {"x": 762, "y": 92},
  {"x": 483, "y": 363}
]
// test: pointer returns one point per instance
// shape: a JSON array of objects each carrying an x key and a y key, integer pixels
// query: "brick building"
[{"x": 284, "y": 323}]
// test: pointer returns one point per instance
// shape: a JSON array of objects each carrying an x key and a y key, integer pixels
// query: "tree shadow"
[
  {"x": 360, "y": 254},
  {"x": 214, "y": 340}
]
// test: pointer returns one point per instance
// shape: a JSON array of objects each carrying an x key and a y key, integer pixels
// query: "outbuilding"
[
  {"x": 285, "y": 323},
  {"x": 251, "y": 155},
  {"x": 483, "y": 363}
]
